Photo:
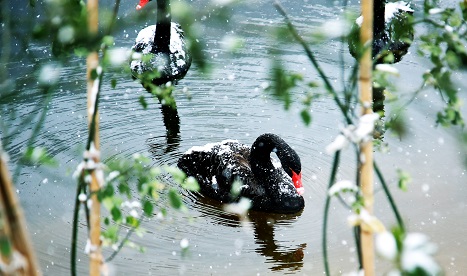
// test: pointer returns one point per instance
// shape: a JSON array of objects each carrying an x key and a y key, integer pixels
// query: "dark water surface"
[{"x": 230, "y": 103}]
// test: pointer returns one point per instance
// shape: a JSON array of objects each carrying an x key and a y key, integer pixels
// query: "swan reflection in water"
[
  {"x": 171, "y": 122},
  {"x": 263, "y": 225}
]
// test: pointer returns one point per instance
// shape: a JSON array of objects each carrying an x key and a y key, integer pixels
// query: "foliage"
[
  {"x": 444, "y": 45},
  {"x": 132, "y": 190}
]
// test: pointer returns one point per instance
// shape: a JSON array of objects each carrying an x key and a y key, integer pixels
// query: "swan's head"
[
  {"x": 297, "y": 182},
  {"x": 141, "y": 4},
  {"x": 292, "y": 166}
]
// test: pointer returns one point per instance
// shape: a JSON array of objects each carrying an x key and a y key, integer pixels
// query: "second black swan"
[
  {"x": 165, "y": 42},
  {"x": 270, "y": 185},
  {"x": 392, "y": 31}
]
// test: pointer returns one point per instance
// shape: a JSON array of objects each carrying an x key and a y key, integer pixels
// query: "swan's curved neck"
[
  {"x": 260, "y": 155},
  {"x": 260, "y": 158},
  {"x": 162, "y": 35}
]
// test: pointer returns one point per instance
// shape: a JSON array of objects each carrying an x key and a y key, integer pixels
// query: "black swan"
[
  {"x": 271, "y": 186},
  {"x": 392, "y": 32},
  {"x": 166, "y": 42}
]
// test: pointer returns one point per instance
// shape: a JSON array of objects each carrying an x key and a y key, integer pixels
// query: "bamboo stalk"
[
  {"x": 15, "y": 227},
  {"x": 95, "y": 254},
  {"x": 366, "y": 98}
]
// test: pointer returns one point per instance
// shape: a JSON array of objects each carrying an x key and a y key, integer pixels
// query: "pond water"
[{"x": 230, "y": 103}]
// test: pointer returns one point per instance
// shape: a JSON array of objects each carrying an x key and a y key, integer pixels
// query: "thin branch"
[
  {"x": 35, "y": 131},
  {"x": 113, "y": 18},
  {"x": 313, "y": 60},
  {"x": 74, "y": 232},
  {"x": 120, "y": 246},
  {"x": 332, "y": 178},
  {"x": 400, "y": 221}
]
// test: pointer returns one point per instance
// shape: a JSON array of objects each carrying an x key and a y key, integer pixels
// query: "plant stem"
[
  {"x": 400, "y": 221},
  {"x": 35, "y": 131},
  {"x": 74, "y": 231},
  {"x": 313, "y": 60},
  {"x": 332, "y": 179}
]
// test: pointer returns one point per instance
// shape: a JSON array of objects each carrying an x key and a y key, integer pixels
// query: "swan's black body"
[
  {"x": 269, "y": 186},
  {"x": 165, "y": 42},
  {"x": 392, "y": 32}
]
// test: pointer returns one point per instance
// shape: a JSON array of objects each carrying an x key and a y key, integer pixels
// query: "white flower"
[
  {"x": 66, "y": 34},
  {"x": 417, "y": 253},
  {"x": 355, "y": 134},
  {"x": 365, "y": 126},
  {"x": 367, "y": 221},
  {"x": 386, "y": 245},
  {"x": 449, "y": 28},
  {"x": 89, "y": 248},
  {"x": 134, "y": 213},
  {"x": 119, "y": 56},
  {"x": 82, "y": 197},
  {"x": 79, "y": 170},
  {"x": 132, "y": 204},
  {"x": 342, "y": 186},
  {"x": 50, "y": 74},
  {"x": 335, "y": 28},
  {"x": 112, "y": 175},
  {"x": 387, "y": 68},
  {"x": 136, "y": 56},
  {"x": 435, "y": 11},
  {"x": 338, "y": 144}
]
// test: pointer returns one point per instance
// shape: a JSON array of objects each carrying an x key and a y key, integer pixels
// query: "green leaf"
[
  {"x": 178, "y": 175},
  {"x": 113, "y": 83},
  {"x": 116, "y": 214},
  {"x": 148, "y": 208},
  {"x": 5, "y": 246},
  {"x": 132, "y": 221},
  {"x": 175, "y": 199},
  {"x": 143, "y": 102},
  {"x": 123, "y": 188},
  {"x": 94, "y": 74},
  {"x": 108, "y": 40},
  {"x": 306, "y": 117},
  {"x": 111, "y": 233},
  {"x": 463, "y": 6},
  {"x": 191, "y": 184},
  {"x": 38, "y": 155},
  {"x": 404, "y": 180}
]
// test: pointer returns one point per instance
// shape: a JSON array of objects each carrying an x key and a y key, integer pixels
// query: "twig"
[
  {"x": 313, "y": 60},
  {"x": 399, "y": 219},
  {"x": 332, "y": 178},
  {"x": 35, "y": 131},
  {"x": 120, "y": 246}
]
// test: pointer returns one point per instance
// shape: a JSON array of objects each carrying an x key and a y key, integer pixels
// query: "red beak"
[
  {"x": 141, "y": 4},
  {"x": 297, "y": 182}
]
